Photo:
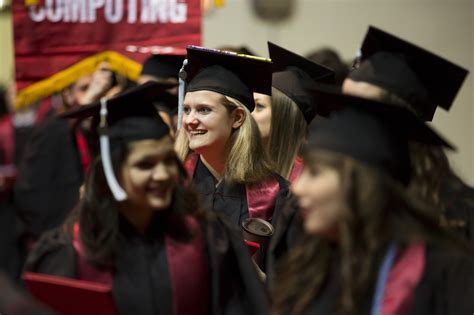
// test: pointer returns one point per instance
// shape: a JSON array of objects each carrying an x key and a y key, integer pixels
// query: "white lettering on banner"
[
  {"x": 86, "y": 11},
  {"x": 132, "y": 11},
  {"x": 113, "y": 17}
]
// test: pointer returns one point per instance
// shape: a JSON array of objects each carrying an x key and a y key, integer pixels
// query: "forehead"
[
  {"x": 151, "y": 147},
  {"x": 203, "y": 97}
]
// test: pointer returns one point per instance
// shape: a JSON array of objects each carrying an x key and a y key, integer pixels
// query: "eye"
[
  {"x": 259, "y": 107},
  {"x": 204, "y": 110},
  {"x": 186, "y": 110},
  {"x": 170, "y": 160},
  {"x": 144, "y": 165},
  {"x": 314, "y": 171}
]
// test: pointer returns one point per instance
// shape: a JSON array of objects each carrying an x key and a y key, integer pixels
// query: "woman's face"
[
  {"x": 150, "y": 174},
  {"x": 318, "y": 191},
  {"x": 207, "y": 122},
  {"x": 263, "y": 114}
]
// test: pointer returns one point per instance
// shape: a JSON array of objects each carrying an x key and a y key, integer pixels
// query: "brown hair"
[
  {"x": 378, "y": 211},
  {"x": 288, "y": 132}
]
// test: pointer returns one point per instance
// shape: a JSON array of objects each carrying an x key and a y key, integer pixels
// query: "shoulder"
[{"x": 52, "y": 254}]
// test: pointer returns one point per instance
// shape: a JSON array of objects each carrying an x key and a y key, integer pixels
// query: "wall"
[
  {"x": 6, "y": 48},
  {"x": 442, "y": 26}
]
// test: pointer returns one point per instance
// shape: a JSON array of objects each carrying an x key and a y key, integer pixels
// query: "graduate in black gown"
[
  {"x": 219, "y": 139},
  {"x": 399, "y": 72},
  {"x": 370, "y": 247},
  {"x": 140, "y": 230}
]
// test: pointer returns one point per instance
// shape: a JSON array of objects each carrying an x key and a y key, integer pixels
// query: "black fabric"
[
  {"x": 131, "y": 115},
  {"x": 290, "y": 71},
  {"x": 228, "y": 73},
  {"x": 229, "y": 200},
  {"x": 288, "y": 228},
  {"x": 371, "y": 132},
  {"x": 49, "y": 177},
  {"x": 440, "y": 79},
  {"x": 142, "y": 282},
  {"x": 163, "y": 66},
  {"x": 392, "y": 73},
  {"x": 447, "y": 285},
  {"x": 22, "y": 135},
  {"x": 234, "y": 284}
]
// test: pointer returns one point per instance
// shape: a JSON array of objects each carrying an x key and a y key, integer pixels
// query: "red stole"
[
  {"x": 7, "y": 142},
  {"x": 296, "y": 170},
  {"x": 403, "y": 279},
  {"x": 188, "y": 268},
  {"x": 261, "y": 197}
]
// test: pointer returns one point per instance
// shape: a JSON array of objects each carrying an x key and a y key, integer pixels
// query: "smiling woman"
[
  {"x": 220, "y": 141},
  {"x": 138, "y": 231}
]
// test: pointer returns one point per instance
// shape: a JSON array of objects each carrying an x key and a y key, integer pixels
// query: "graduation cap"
[
  {"x": 127, "y": 117},
  {"x": 372, "y": 132},
  {"x": 228, "y": 73},
  {"x": 163, "y": 65},
  {"x": 290, "y": 71},
  {"x": 419, "y": 77}
]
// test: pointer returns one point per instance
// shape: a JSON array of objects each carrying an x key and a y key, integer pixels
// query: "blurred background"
[{"x": 445, "y": 27}]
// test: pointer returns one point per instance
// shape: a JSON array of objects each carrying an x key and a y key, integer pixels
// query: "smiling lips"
[{"x": 197, "y": 132}]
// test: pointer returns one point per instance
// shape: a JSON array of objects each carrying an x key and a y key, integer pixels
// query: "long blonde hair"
[
  {"x": 246, "y": 161},
  {"x": 288, "y": 131}
]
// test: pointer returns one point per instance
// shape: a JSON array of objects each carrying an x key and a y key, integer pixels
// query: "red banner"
[{"x": 52, "y": 35}]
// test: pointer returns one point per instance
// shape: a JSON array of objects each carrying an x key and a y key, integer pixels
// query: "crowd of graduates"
[{"x": 226, "y": 183}]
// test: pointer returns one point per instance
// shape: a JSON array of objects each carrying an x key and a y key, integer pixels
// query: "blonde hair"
[
  {"x": 246, "y": 161},
  {"x": 288, "y": 131}
]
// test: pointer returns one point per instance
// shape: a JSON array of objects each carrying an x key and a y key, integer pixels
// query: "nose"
[
  {"x": 190, "y": 119},
  {"x": 161, "y": 173}
]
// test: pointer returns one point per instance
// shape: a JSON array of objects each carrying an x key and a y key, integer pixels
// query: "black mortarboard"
[
  {"x": 129, "y": 116},
  {"x": 163, "y": 66},
  {"x": 374, "y": 133},
  {"x": 419, "y": 77},
  {"x": 290, "y": 71},
  {"x": 228, "y": 73}
]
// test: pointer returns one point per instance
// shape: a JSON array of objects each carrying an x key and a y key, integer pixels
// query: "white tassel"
[
  {"x": 117, "y": 191},
  {"x": 182, "y": 85}
]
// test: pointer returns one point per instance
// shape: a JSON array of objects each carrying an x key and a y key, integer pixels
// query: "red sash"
[
  {"x": 403, "y": 279},
  {"x": 296, "y": 170},
  {"x": 261, "y": 197},
  {"x": 188, "y": 268},
  {"x": 7, "y": 144}
]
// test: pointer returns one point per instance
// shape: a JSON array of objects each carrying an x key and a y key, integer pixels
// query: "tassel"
[
  {"x": 182, "y": 85},
  {"x": 117, "y": 191}
]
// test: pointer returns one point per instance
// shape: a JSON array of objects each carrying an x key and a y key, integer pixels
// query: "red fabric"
[
  {"x": 296, "y": 170},
  {"x": 7, "y": 138},
  {"x": 83, "y": 150},
  {"x": 189, "y": 272},
  {"x": 85, "y": 271},
  {"x": 44, "y": 46},
  {"x": 402, "y": 280},
  {"x": 261, "y": 197}
]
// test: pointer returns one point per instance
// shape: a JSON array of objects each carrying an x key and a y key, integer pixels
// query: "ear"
[{"x": 239, "y": 117}]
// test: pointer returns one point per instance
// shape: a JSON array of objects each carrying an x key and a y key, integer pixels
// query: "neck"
[
  {"x": 139, "y": 218},
  {"x": 215, "y": 164}
]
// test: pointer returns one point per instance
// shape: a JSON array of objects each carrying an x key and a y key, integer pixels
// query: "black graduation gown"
[
  {"x": 288, "y": 227},
  {"x": 141, "y": 282},
  {"x": 229, "y": 199},
  {"x": 446, "y": 287},
  {"x": 50, "y": 174}
]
